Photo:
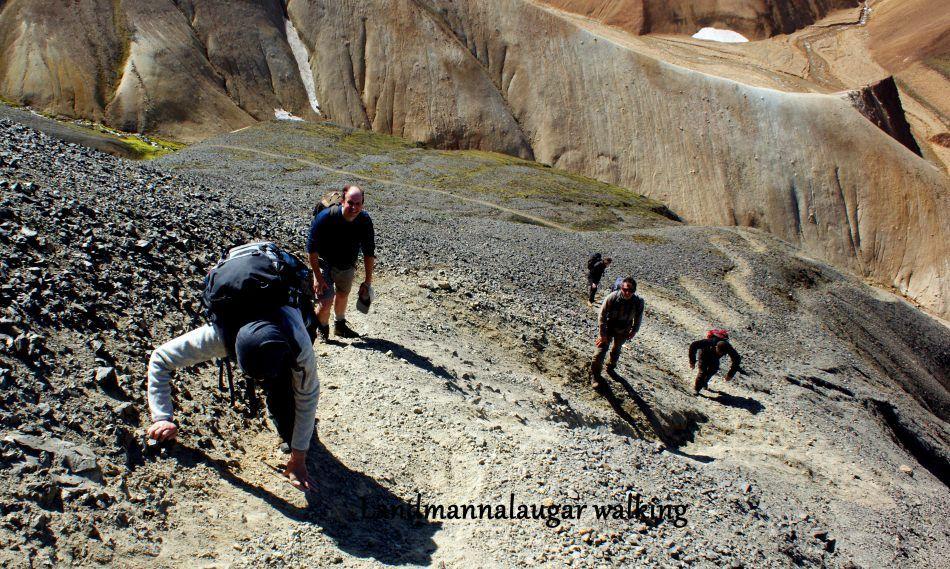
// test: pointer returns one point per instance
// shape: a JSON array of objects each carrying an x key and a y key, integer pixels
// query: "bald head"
[{"x": 352, "y": 202}]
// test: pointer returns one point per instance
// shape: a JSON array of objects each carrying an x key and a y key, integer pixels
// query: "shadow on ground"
[
  {"x": 364, "y": 518},
  {"x": 673, "y": 429},
  {"x": 748, "y": 403},
  {"x": 402, "y": 352}
]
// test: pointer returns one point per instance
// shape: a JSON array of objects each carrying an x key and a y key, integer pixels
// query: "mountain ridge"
[{"x": 656, "y": 116}]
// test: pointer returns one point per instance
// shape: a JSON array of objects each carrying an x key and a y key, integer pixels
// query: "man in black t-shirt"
[{"x": 337, "y": 236}]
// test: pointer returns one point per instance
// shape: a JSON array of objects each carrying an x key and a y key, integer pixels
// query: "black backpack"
[
  {"x": 251, "y": 282},
  {"x": 593, "y": 260}
]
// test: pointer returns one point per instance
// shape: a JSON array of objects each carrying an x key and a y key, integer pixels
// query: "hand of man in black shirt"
[{"x": 318, "y": 284}]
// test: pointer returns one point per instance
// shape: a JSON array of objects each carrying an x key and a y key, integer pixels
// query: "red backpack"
[{"x": 718, "y": 333}]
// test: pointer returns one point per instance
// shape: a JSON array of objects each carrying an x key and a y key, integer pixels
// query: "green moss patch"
[
  {"x": 646, "y": 239},
  {"x": 537, "y": 190},
  {"x": 149, "y": 148}
]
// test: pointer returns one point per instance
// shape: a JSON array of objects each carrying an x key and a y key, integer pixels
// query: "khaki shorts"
[{"x": 339, "y": 280}]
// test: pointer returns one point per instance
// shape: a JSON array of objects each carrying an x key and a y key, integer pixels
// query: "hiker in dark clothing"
[
  {"x": 710, "y": 350},
  {"x": 595, "y": 271},
  {"x": 271, "y": 341},
  {"x": 337, "y": 235},
  {"x": 620, "y": 319}
]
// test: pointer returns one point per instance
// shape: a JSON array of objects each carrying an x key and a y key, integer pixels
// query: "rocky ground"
[
  {"x": 88, "y": 134},
  {"x": 468, "y": 386}
]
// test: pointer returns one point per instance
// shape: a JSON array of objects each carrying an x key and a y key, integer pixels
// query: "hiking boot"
[
  {"x": 596, "y": 382},
  {"x": 324, "y": 331},
  {"x": 342, "y": 330}
]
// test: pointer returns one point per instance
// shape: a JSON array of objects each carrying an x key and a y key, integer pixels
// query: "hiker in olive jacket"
[
  {"x": 620, "y": 319},
  {"x": 710, "y": 350}
]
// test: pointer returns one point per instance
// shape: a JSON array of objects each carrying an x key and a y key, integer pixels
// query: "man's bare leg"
[
  {"x": 340, "y": 327},
  {"x": 323, "y": 312},
  {"x": 339, "y": 305}
]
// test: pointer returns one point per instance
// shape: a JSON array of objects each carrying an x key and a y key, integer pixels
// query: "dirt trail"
[
  {"x": 387, "y": 182},
  {"x": 440, "y": 412},
  {"x": 468, "y": 388},
  {"x": 741, "y": 277},
  {"x": 426, "y": 402}
]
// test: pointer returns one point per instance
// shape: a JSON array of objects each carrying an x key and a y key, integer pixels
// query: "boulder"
[
  {"x": 106, "y": 378},
  {"x": 76, "y": 458}
]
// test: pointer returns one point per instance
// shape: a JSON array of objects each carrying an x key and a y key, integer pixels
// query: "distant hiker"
[
  {"x": 620, "y": 319},
  {"x": 596, "y": 265},
  {"x": 259, "y": 301},
  {"x": 338, "y": 234},
  {"x": 710, "y": 349}
]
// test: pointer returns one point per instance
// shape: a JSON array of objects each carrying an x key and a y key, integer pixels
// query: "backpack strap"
[
  {"x": 250, "y": 395},
  {"x": 225, "y": 364}
]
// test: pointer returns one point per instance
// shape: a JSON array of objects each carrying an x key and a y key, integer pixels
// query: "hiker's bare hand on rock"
[
  {"x": 296, "y": 471},
  {"x": 163, "y": 431}
]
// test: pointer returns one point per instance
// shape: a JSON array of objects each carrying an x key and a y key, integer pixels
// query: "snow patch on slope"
[
  {"x": 724, "y": 36},
  {"x": 282, "y": 115},
  {"x": 303, "y": 63}
]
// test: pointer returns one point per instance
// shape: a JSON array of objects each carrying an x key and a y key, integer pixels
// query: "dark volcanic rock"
[
  {"x": 881, "y": 104},
  {"x": 106, "y": 378},
  {"x": 78, "y": 459}
]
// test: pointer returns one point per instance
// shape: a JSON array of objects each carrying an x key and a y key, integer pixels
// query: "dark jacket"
[
  {"x": 618, "y": 315},
  {"x": 596, "y": 272},
  {"x": 339, "y": 241},
  {"x": 708, "y": 359}
]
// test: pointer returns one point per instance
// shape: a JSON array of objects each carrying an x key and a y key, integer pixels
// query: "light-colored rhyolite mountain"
[
  {"x": 752, "y": 18},
  {"x": 773, "y": 134},
  {"x": 183, "y": 69},
  {"x": 805, "y": 166}
]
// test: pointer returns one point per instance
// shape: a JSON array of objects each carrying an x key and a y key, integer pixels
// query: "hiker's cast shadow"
[
  {"x": 617, "y": 406},
  {"x": 402, "y": 352},
  {"x": 749, "y": 404},
  {"x": 346, "y": 505},
  {"x": 662, "y": 432}
]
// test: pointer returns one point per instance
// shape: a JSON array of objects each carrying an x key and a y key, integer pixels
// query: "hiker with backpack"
[
  {"x": 338, "y": 233},
  {"x": 260, "y": 309},
  {"x": 596, "y": 265},
  {"x": 710, "y": 350},
  {"x": 620, "y": 317}
]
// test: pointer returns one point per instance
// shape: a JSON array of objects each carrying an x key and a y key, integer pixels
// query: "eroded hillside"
[
  {"x": 755, "y": 19},
  {"x": 754, "y": 135},
  {"x": 468, "y": 386}
]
